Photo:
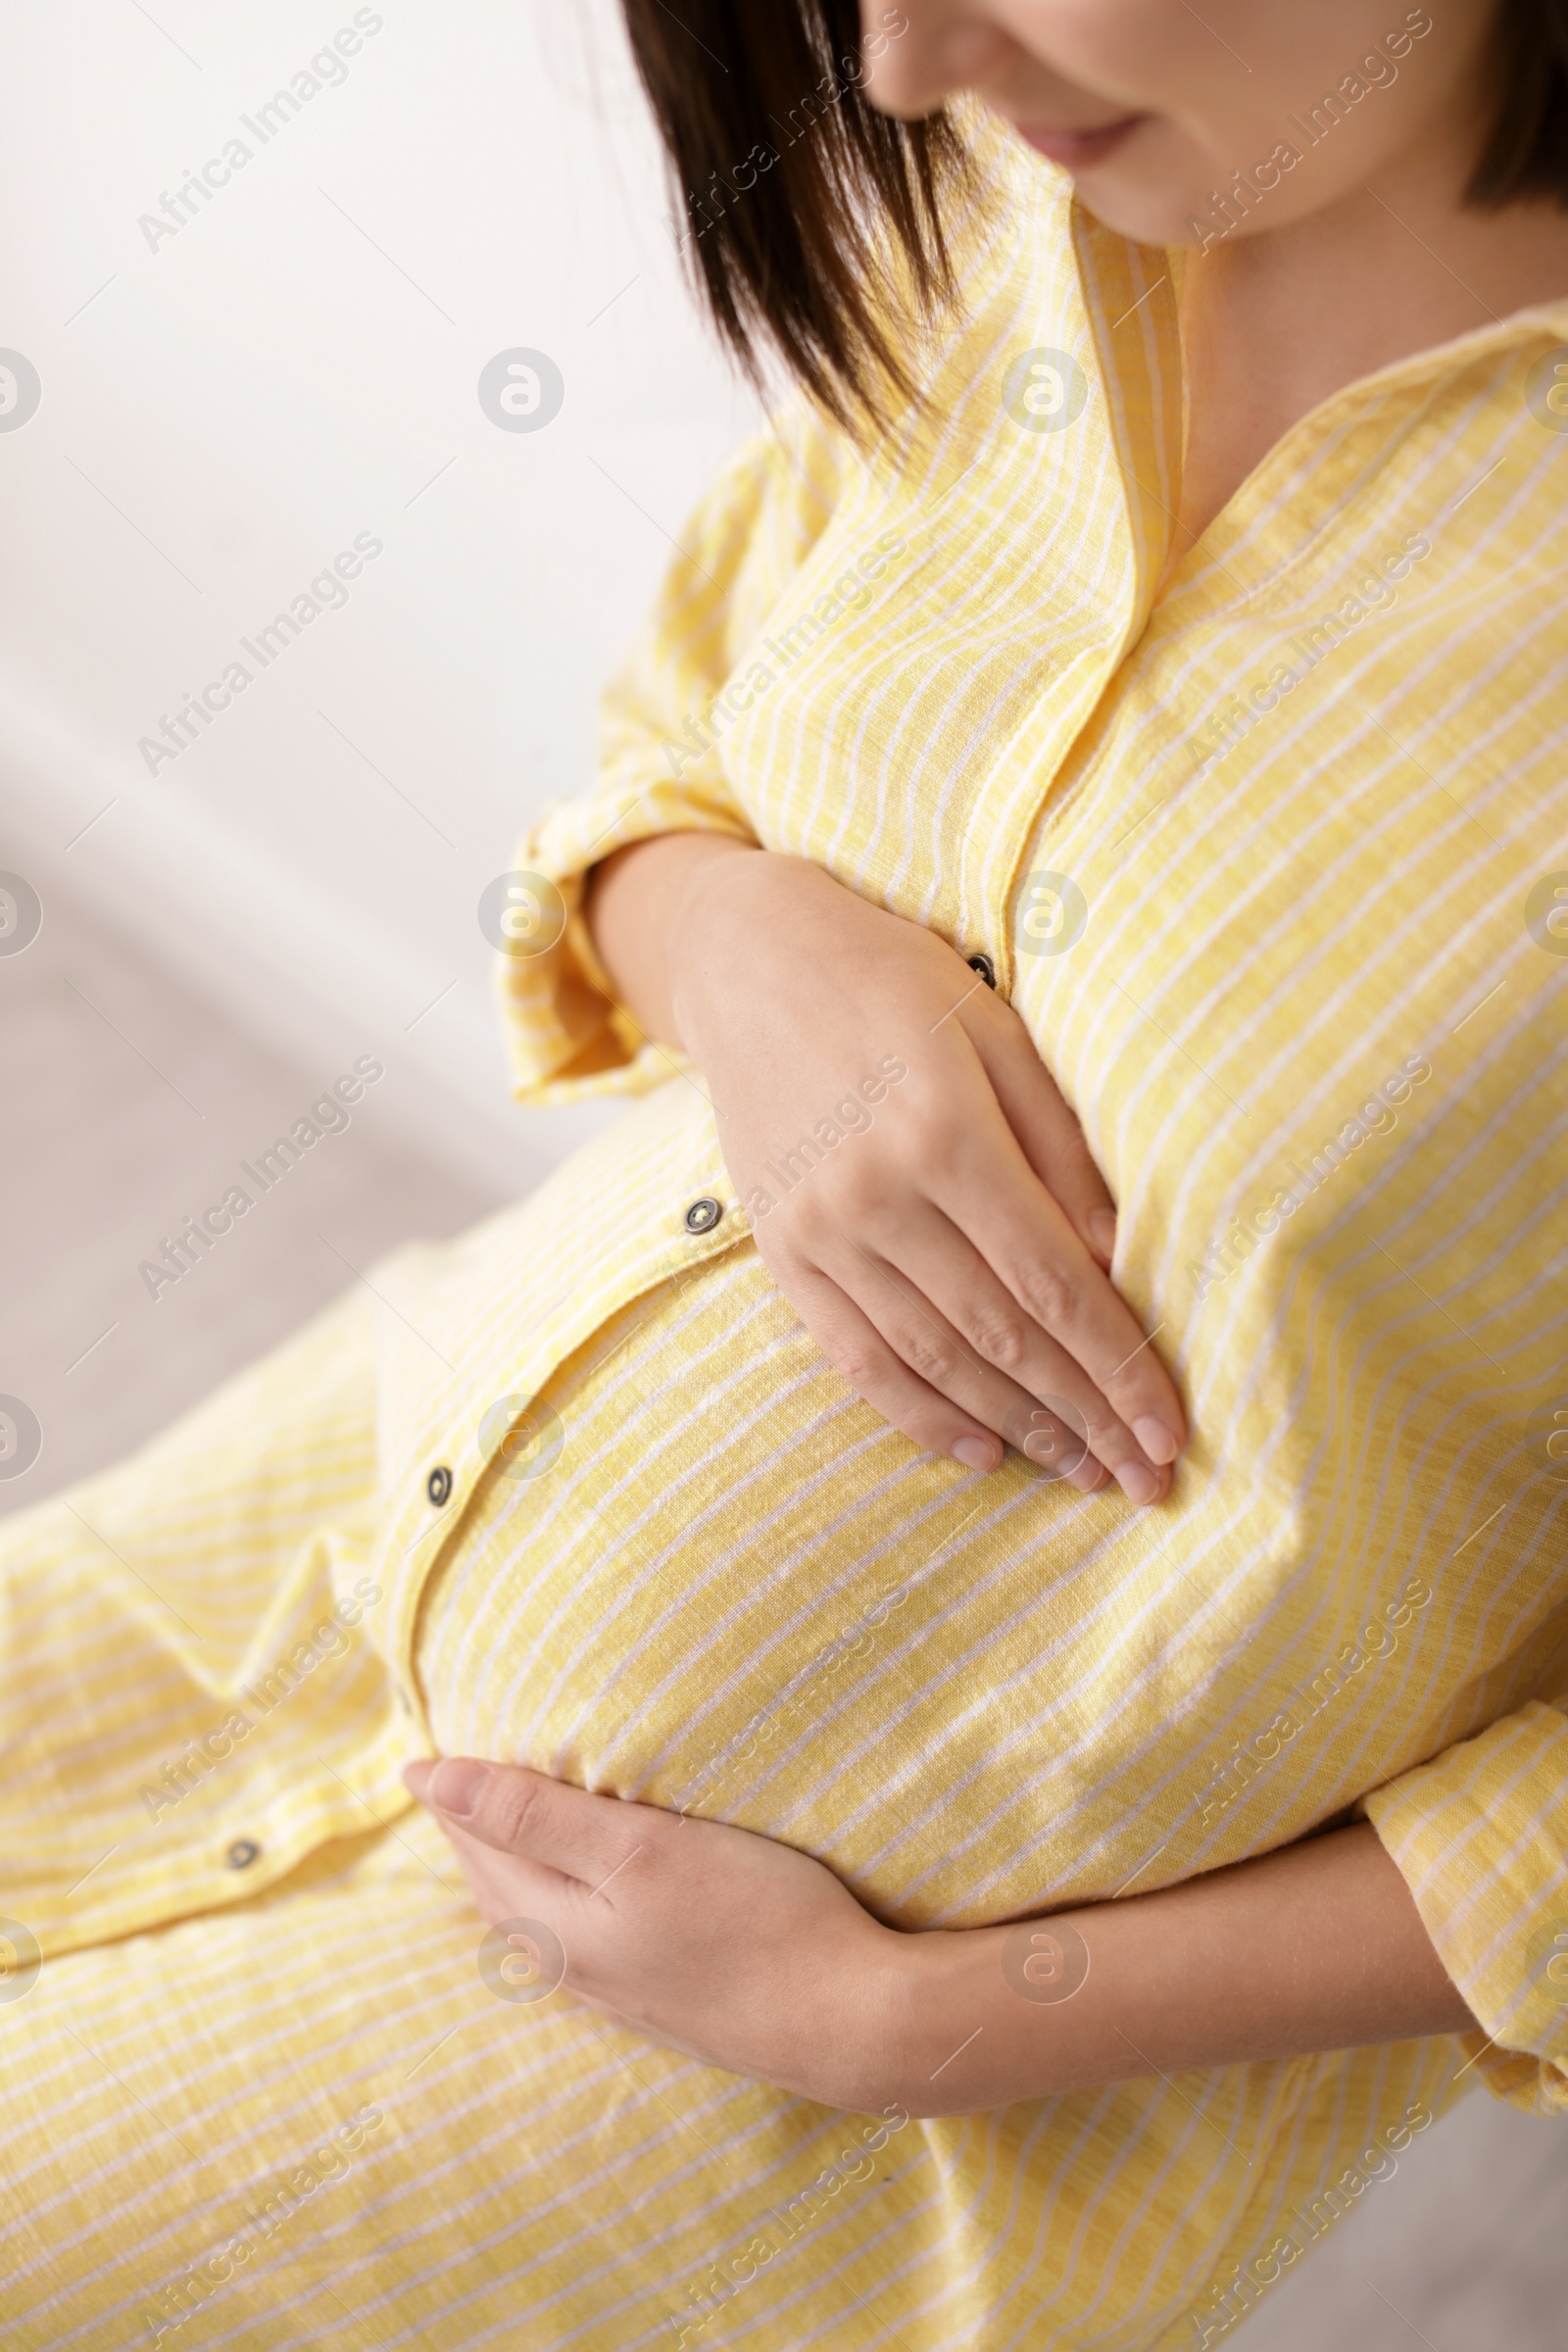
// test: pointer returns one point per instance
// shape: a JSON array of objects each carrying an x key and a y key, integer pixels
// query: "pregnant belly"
[{"x": 732, "y": 1590}]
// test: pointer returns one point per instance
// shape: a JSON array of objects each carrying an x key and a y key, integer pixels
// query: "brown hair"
[
  {"x": 791, "y": 183},
  {"x": 803, "y": 207},
  {"x": 1526, "y": 152}
]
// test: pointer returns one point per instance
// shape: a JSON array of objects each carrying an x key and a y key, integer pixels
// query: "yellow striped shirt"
[{"x": 1271, "y": 855}]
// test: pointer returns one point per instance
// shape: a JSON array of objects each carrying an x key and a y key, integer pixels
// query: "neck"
[{"x": 1274, "y": 322}]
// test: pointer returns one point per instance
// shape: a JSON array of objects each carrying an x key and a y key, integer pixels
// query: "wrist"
[
  {"x": 719, "y": 922},
  {"x": 950, "y": 2031},
  {"x": 864, "y": 2042},
  {"x": 903, "y": 1996},
  {"x": 635, "y": 910}
]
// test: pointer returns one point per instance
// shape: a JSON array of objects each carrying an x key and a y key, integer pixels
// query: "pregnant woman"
[{"x": 986, "y": 1568}]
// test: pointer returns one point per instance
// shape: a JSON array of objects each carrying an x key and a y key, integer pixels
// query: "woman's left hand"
[
  {"x": 751, "y": 1956},
  {"x": 733, "y": 1948}
]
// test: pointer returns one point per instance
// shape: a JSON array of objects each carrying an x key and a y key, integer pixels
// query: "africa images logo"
[{"x": 20, "y": 390}]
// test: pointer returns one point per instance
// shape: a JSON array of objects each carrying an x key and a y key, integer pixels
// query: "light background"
[
  {"x": 223, "y": 413},
  {"x": 222, "y": 417}
]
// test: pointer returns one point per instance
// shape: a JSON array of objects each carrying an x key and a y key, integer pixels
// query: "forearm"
[
  {"x": 636, "y": 906},
  {"x": 1316, "y": 1947}
]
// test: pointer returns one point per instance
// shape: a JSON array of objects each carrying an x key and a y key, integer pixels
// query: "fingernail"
[
  {"x": 1138, "y": 1481},
  {"x": 1162, "y": 1444},
  {"x": 456, "y": 1785},
  {"x": 975, "y": 1454},
  {"x": 1103, "y": 1227}
]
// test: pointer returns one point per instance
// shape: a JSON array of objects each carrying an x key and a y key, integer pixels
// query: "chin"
[
  {"x": 1149, "y": 216},
  {"x": 1151, "y": 188}
]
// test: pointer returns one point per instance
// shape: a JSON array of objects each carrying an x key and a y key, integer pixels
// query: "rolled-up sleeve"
[
  {"x": 660, "y": 767},
  {"x": 1480, "y": 1836}
]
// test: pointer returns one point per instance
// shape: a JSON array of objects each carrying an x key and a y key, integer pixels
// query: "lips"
[{"x": 1079, "y": 150}]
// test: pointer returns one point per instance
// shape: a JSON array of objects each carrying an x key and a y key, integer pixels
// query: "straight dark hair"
[{"x": 809, "y": 218}]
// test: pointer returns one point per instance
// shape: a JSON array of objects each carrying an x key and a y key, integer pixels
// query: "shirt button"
[
  {"x": 702, "y": 1215},
  {"x": 438, "y": 1486},
  {"x": 986, "y": 969},
  {"x": 242, "y": 1853}
]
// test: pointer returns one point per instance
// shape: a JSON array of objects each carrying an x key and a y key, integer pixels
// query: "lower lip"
[{"x": 1080, "y": 150}]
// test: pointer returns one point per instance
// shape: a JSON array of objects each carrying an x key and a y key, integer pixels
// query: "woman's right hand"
[{"x": 949, "y": 1254}]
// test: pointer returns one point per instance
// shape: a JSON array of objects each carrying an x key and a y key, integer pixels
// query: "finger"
[
  {"x": 528, "y": 1814},
  {"x": 1049, "y": 1133},
  {"x": 1059, "y": 1284},
  {"x": 923, "y": 1412},
  {"x": 924, "y": 1338},
  {"x": 945, "y": 1313},
  {"x": 943, "y": 1267},
  {"x": 988, "y": 1191},
  {"x": 508, "y": 1885},
  {"x": 1051, "y": 1145}
]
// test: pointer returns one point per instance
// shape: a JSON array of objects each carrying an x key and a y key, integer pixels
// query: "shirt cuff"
[
  {"x": 567, "y": 1037},
  {"x": 1480, "y": 1835}
]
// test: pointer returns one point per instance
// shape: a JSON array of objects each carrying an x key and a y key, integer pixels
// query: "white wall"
[{"x": 243, "y": 397}]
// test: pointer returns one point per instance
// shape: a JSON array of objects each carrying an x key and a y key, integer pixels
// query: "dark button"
[
  {"x": 986, "y": 969},
  {"x": 438, "y": 1486},
  {"x": 242, "y": 1853},
  {"x": 702, "y": 1215}
]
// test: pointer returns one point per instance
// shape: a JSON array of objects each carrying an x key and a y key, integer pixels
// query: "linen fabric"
[{"x": 1262, "y": 847}]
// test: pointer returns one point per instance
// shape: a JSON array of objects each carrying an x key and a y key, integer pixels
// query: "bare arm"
[
  {"x": 1316, "y": 1947},
  {"x": 635, "y": 905},
  {"x": 754, "y": 1957}
]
